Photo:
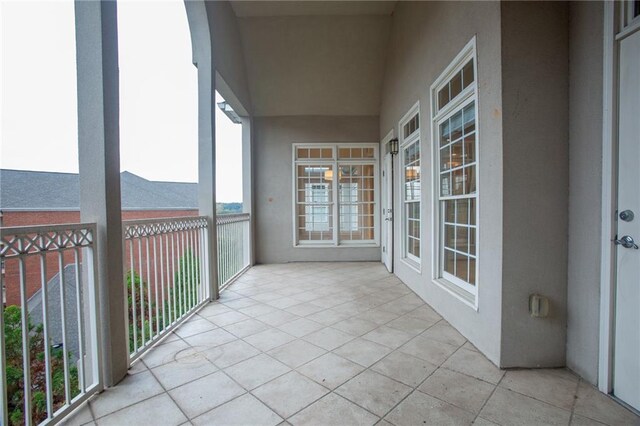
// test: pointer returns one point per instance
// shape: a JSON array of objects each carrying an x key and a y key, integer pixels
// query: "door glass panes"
[
  {"x": 314, "y": 202},
  {"x": 412, "y": 189},
  {"x": 349, "y": 215},
  {"x": 356, "y": 201}
]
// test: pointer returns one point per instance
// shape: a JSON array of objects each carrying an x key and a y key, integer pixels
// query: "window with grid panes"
[
  {"x": 456, "y": 160},
  {"x": 346, "y": 217},
  {"x": 411, "y": 188}
]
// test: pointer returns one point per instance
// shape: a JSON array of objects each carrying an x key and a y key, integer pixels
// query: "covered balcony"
[{"x": 428, "y": 236}]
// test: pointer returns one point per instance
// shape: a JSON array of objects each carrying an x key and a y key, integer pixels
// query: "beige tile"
[
  {"x": 296, "y": 353},
  {"x": 330, "y": 370},
  {"x": 355, "y": 326},
  {"x": 510, "y": 408},
  {"x": 269, "y": 339},
  {"x": 162, "y": 354},
  {"x": 328, "y": 338},
  {"x": 542, "y": 385},
  {"x": 400, "y": 306},
  {"x": 277, "y": 318},
  {"x": 290, "y": 393},
  {"x": 470, "y": 347},
  {"x": 137, "y": 367},
  {"x": 443, "y": 332},
  {"x": 131, "y": 390},
  {"x": 333, "y": 410},
  {"x": 304, "y": 309},
  {"x": 210, "y": 339},
  {"x": 458, "y": 389},
  {"x": 227, "y": 318},
  {"x": 474, "y": 364},
  {"x": 378, "y": 316},
  {"x": 577, "y": 420},
  {"x": 283, "y": 302},
  {"x": 230, "y": 353},
  {"x": 479, "y": 421},
  {"x": 422, "y": 409},
  {"x": 328, "y": 316},
  {"x": 597, "y": 406},
  {"x": 81, "y": 416},
  {"x": 425, "y": 313},
  {"x": 246, "y": 328},
  {"x": 300, "y": 327},
  {"x": 373, "y": 391},
  {"x": 256, "y": 371},
  {"x": 240, "y": 303},
  {"x": 158, "y": 407},
  {"x": 388, "y": 336},
  {"x": 410, "y": 325},
  {"x": 257, "y": 310},
  {"x": 362, "y": 351},
  {"x": 404, "y": 368},
  {"x": 184, "y": 370},
  {"x": 208, "y": 392},
  {"x": 195, "y": 325},
  {"x": 242, "y": 411},
  {"x": 429, "y": 350},
  {"x": 212, "y": 309}
]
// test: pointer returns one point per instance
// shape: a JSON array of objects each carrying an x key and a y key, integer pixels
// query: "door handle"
[{"x": 626, "y": 242}]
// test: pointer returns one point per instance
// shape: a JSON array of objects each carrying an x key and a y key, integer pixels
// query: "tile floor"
[{"x": 335, "y": 344}]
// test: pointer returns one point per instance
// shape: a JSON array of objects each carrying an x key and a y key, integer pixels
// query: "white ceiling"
[{"x": 310, "y": 7}]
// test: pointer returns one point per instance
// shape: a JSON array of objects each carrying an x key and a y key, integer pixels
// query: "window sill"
[
  {"x": 343, "y": 245},
  {"x": 412, "y": 264},
  {"x": 464, "y": 296}
]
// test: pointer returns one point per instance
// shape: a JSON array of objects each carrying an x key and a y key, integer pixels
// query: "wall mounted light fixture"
[{"x": 393, "y": 146}]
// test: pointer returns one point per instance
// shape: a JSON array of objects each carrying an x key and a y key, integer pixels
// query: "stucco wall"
[
  {"x": 274, "y": 137},
  {"x": 536, "y": 180},
  {"x": 425, "y": 38},
  {"x": 226, "y": 46},
  {"x": 585, "y": 187}
]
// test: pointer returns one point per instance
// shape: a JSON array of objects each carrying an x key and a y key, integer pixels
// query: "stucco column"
[
  {"x": 247, "y": 186},
  {"x": 202, "y": 59},
  {"x": 99, "y": 157}
]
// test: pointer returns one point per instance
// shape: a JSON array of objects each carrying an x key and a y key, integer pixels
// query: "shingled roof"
[{"x": 32, "y": 190}]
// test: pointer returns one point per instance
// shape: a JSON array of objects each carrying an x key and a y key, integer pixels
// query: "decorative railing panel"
[
  {"x": 233, "y": 246},
  {"x": 49, "y": 347},
  {"x": 166, "y": 262}
]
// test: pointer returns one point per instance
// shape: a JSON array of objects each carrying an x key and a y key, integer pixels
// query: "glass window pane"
[
  {"x": 443, "y": 96},
  {"x": 344, "y": 153},
  {"x": 467, "y": 73},
  {"x": 472, "y": 271},
  {"x": 449, "y": 211},
  {"x": 303, "y": 153},
  {"x": 327, "y": 153},
  {"x": 314, "y": 153},
  {"x": 449, "y": 236},
  {"x": 472, "y": 211},
  {"x": 470, "y": 177},
  {"x": 469, "y": 118},
  {"x": 462, "y": 239},
  {"x": 456, "y": 85},
  {"x": 462, "y": 207},
  {"x": 456, "y": 126},
  {"x": 444, "y": 133},
  {"x": 469, "y": 149},
  {"x": 449, "y": 262},
  {"x": 456, "y": 154},
  {"x": 445, "y": 158},
  {"x": 458, "y": 181},
  {"x": 472, "y": 241},
  {"x": 462, "y": 263},
  {"x": 367, "y": 153},
  {"x": 445, "y": 184}
]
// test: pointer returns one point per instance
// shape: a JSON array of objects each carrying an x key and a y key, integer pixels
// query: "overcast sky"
[{"x": 158, "y": 94}]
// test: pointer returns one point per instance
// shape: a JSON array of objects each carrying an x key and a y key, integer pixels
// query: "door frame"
[
  {"x": 616, "y": 27},
  {"x": 386, "y": 191}
]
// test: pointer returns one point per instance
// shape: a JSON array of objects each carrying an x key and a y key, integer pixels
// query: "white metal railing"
[
  {"x": 233, "y": 246},
  {"x": 167, "y": 260},
  {"x": 49, "y": 346}
]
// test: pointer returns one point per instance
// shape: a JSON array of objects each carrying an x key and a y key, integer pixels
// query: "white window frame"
[
  {"x": 334, "y": 163},
  {"x": 406, "y": 257},
  {"x": 462, "y": 290}
]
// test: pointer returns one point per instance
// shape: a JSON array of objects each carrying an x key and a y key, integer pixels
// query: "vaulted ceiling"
[{"x": 314, "y": 58}]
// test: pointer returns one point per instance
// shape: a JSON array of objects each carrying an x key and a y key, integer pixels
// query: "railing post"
[
  {"x": 202, "y": 58},
  {"x": 99, "y": 161}
]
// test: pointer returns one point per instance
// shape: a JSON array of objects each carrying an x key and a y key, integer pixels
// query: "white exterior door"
[
  {"x": 626, "y": 379},
  {"x": 387, "y": 212}
]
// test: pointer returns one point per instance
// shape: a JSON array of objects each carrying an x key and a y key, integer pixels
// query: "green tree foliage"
[{"x": 15, "y": 373}]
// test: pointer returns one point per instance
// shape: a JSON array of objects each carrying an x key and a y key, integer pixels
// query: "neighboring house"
[{"x": 31, "y": 198}]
